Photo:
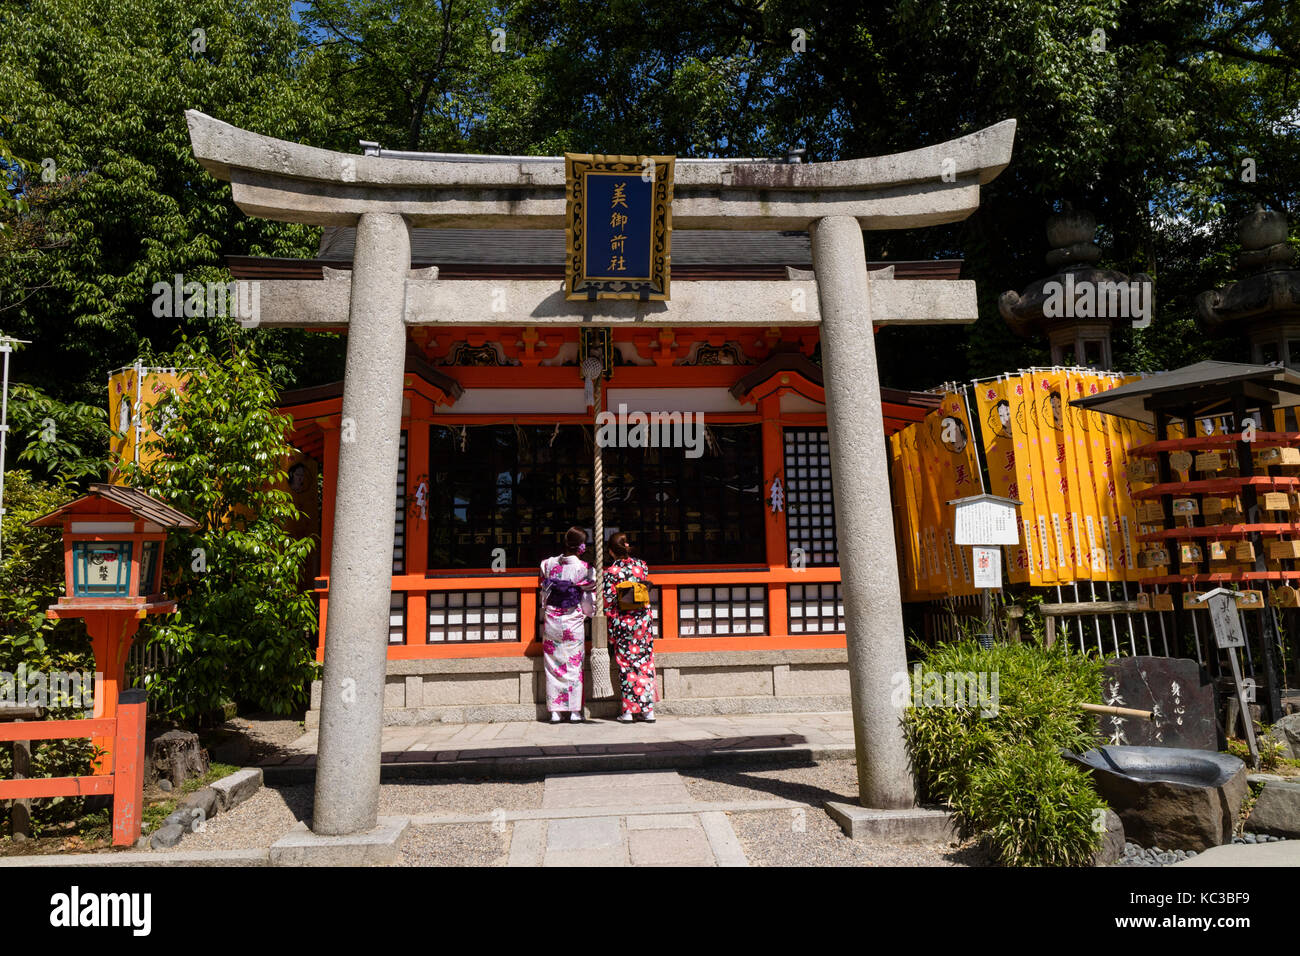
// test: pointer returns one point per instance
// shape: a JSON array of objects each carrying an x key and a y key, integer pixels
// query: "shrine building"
[{"x": 496, "y": 463}]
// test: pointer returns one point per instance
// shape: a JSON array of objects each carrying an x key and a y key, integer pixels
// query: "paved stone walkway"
[
  {"x": 537, "y": 748},
  {"x": 638, "y": 819}
]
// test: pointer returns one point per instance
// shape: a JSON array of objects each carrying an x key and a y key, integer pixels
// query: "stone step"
[{"x": 516, "y": 761}]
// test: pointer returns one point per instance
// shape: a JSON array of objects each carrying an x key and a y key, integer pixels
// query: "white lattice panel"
[
  {"x": 473, "y": 616},
  {"x": 721, "y": 611}
]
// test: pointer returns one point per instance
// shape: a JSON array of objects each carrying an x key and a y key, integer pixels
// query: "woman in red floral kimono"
[{"x": 631, "y": 635}]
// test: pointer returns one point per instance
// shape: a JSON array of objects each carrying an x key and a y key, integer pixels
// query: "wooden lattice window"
[
  {"x": 397, "y": 617},
  {"x": 721, "y": 611},
  {"x": 399, "y": 529},
  {"x": 513, "y": 488},
  {"x": 679, "y": 510},
  {"x": 816, "y": 609},
  {"x": 809, "y": 506}
]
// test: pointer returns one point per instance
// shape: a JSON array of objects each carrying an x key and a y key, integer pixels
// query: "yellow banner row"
[
  {"x": 132, "y": 394},
  {"x": 933, "y": 462},
  {"x": 1067, "y": 467}
]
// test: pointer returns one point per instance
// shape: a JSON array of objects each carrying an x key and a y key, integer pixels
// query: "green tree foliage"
[
  {"x": 66, "y": 441},
  {"x": 31, "y": 575},
  {"x": 242, "y": 631},
  {"x": 424, "y": 76},
  {"x": 96, "y": 91},
  {"x": 1141, "y": 112}
]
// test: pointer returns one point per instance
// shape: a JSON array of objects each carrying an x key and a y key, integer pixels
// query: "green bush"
[
  {"x": 1271, "y": 751},
  {"x": 31, "y": 579},
  {"x": 1035, "y": 808},
  {"x": 1000, "y": 768},
  {"x": 244, "y": 622}
]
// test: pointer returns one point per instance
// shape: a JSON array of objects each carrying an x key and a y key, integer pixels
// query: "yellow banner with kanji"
[
  {"x": 996, "y": 418},
  {"x": 132, "y": 394},
  {"x": 935, "y": 461}
]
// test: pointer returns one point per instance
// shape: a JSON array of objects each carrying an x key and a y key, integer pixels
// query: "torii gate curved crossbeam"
[{"x": 289, "y": 182}]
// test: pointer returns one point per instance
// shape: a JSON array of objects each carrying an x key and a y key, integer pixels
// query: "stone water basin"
[{"x": 1170, "y": 797}]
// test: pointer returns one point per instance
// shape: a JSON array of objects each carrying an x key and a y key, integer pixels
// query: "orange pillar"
[
  {"x": 329, "y": 488},
  {"x": 111, "y": 634},
  {"x": 778, "y": 553},
  {"x": 128, "y": 776},
  {"x": 417, "y": 528}
]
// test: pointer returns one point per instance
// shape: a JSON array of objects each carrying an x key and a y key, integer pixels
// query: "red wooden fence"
[{"x": 126, "y": 784}]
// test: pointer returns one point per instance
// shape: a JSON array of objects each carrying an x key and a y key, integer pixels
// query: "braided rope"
[
  {"x": 598, "y": 492},
  {"x": 602, "y": 684}
]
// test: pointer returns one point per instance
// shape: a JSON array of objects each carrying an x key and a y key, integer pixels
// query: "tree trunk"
[{"x": 176, "y": 756}]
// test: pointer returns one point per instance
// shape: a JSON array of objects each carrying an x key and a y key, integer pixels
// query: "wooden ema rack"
[
  {"x": 1216, "y": 442},
  {"x": 1245, "y": 490}
]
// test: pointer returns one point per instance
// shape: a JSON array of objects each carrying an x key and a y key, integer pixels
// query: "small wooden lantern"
[{"x": 113, "y": 540}]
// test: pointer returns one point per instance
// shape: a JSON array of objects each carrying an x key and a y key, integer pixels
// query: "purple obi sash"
[{"x": 564, "y": 595}]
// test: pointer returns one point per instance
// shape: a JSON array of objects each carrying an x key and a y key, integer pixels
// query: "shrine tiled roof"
[
  {"x": 538, "y": 253},
  {"x": 1190, "y": 386}
]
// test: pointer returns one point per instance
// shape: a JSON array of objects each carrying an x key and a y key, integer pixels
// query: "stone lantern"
[
  {"x": 113, "y": 540},
  {"x": 1265, "y": 303},
  {"x": 1077, "y": 306}
]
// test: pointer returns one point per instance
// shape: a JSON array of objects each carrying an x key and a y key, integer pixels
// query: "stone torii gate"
[{"x": 384, "y": 197}]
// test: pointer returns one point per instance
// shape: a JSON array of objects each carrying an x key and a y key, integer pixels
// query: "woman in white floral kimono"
[{"x": 567, "y": 585}]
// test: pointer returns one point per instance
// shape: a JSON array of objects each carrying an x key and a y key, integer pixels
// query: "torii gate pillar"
[
  {"x": 873, "y": 610},
  {"x": 361, "y": 563}
]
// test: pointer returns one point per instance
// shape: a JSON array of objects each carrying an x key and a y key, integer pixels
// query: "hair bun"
[{"x": 575, "y": 541}]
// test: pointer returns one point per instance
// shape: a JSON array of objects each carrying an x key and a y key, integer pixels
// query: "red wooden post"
[
  {"x": 111, "y": 634},
  {"x": 417, "y": 528},
  {"x": 128, "y": 770}
]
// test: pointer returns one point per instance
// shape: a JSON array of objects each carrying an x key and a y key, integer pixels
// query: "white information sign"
[
  {"x": 1223, "y": 618},
  {"x": 988, "y": 567},
  {"x": 985, "y": 519}
]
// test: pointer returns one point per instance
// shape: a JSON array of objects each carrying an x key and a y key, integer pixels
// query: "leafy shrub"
[
  {"x": 63, "y": 440},
  {"x": 1036, "y": 808},
  {"x": 242, "y": 631},
  {"x": 31, "y": 571},
  {"x": 1271, "y": 751},
  {"x": 31, "y": 579},
  {"x": 1002, "y": 774}
]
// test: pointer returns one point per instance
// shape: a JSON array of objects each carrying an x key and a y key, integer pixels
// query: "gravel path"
[
  {"x": 272, "y": 811},
  {"x": 774, "y": 838},
  {"x": 831, "y": 780},
  {"x": 769, "y": 838},
  {"x": 267, "y": 736},
  {"x": 256, "y": 823},
  {"x": 463, "y": 844},
  {"x": 460, "y": 796},
  {"x": 811, "y": 838}
]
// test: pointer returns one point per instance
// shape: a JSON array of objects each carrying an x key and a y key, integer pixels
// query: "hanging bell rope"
[{"x": 602, "y": 686}]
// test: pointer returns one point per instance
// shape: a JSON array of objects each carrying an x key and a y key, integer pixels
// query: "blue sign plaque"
[{"x": 619, "y": 213}]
